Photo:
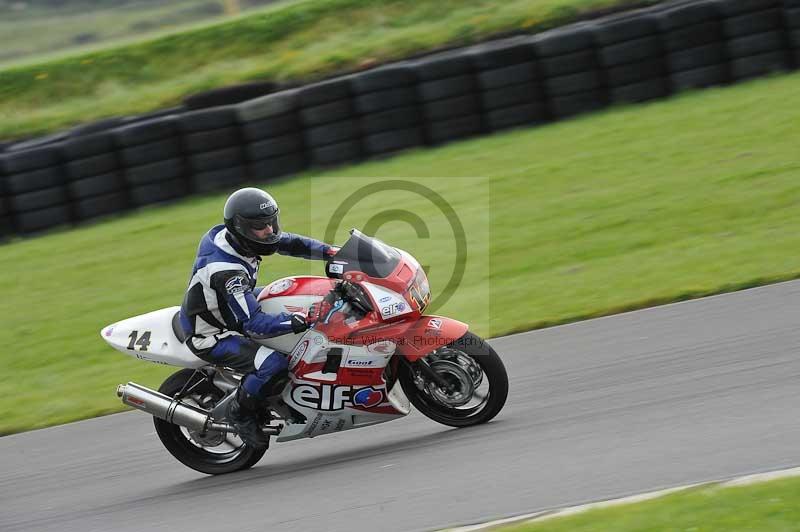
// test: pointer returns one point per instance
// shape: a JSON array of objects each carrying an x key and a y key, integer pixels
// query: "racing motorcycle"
[{"x": 372, "y": 355}]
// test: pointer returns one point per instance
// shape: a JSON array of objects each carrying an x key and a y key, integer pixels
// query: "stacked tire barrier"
[
  {"x": 572, "y": 76},
  {"x": 272, "y": 135},
  {"x": 152, "y": 157},
  {"x": 95, "y": 183},
  {"x": 6, "y": 228},
  {"x": 35, "y": 188},
  {"x": 792, "y": 20},
  {"x": 510, "y": 84},
  {"x": 385, "y": 100},
  {"x": 329, "y": 122},
  {"x": 631, "y": 58},
  {"x": 212, "y": 148},
  {"x": 447, "y": 92},
  {"x": 694, "y": 46},
  {"x": 754, "y": 36},
  {"x": 638, "y": 56}
]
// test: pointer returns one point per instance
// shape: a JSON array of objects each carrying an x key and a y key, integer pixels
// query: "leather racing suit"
[{"x": 220, "y": 313}]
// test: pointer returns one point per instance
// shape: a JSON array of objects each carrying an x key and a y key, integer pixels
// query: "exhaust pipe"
[
  {"x": 174, "y": 411},
  {"x": 164, "y": 407}
]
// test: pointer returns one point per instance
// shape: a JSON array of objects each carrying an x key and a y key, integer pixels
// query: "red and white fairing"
[
  {"x": 338, "y": 369},
  {"x": 343, "y": 371}
]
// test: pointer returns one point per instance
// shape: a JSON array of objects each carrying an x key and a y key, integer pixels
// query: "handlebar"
[{"x": 354, "y": 295}]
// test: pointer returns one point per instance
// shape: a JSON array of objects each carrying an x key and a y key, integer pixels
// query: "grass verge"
[
  {"x": 296, "y": 40},
  {"x": 39, "y": 31},
  {"x": 650, "y": 203},
  {"x": 767, "y": 506}
]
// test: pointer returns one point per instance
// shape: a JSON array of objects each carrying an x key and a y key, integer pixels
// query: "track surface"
[{"x": 672, "y": 395}]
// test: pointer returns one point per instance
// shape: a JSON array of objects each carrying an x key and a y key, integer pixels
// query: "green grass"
[
  {"x": 37, "y": 31},
  {"x": 767, "y": 507},
  {"x": 618, "y": 210},
  {"x": 289, "y": 41}
]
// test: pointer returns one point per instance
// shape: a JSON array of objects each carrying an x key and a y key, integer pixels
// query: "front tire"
[
  {"x": 478, "y": 378},
  {"x": 213, "y": 454}
]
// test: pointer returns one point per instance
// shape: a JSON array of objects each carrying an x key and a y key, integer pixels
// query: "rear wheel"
[
  {"x": 473, "y": 383},
  {"x": 213, "y": 452}
]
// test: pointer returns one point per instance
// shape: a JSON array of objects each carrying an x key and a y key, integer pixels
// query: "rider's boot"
[{"x": 243, "y": 413}]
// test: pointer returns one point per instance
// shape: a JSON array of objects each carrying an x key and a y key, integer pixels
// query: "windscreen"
[{"x": 366, "y": 254}]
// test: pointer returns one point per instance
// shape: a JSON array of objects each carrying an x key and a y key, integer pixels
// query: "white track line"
[{"x": 571, "y": 510}]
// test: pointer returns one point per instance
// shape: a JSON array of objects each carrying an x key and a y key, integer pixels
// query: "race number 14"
[{"x": 142, "y": 341}]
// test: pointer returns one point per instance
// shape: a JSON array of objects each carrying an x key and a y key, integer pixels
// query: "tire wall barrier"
[{"x": 119, "y": 164}]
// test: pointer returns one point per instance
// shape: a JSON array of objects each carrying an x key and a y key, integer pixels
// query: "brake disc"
[{"x": 461, "y": 386}]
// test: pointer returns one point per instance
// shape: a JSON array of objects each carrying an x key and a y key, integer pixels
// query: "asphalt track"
[{"x": 677, "y": 394}]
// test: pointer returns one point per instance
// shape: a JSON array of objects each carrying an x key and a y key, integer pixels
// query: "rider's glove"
[
  {"x": 298, "y": 323},
  {"x": 319, "y": 310},
  {"x": 331, "y": 251}
]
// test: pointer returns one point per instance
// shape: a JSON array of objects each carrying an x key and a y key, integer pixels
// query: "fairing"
[
  {"x": 150, "y": 337},
  {"x": 342, "y": 370}
]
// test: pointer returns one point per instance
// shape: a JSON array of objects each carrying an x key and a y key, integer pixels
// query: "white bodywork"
[
  {"x": 163, "y": 347},
  {"x": 328, "y": 408},
  {"x": 390, "y": 303},
  {"x": 275, "y": 305}
]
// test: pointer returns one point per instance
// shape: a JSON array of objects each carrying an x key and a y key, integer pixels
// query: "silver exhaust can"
[{"x": 163, "y": 407}]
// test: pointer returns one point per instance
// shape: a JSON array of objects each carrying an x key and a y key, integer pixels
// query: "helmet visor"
[{"x": 263, "y": 230}]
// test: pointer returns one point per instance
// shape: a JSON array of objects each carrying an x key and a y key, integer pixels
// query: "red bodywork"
[{"x": 414, "y": 334}]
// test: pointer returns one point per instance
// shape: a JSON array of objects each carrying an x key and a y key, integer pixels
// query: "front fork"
[{"x": 425, "y": 369}]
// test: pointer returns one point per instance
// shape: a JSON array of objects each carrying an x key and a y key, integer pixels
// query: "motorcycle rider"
[{"x": 220, "y": 315}]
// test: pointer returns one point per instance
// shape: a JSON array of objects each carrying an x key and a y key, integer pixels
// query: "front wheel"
[
  {"x": 213, "y": 452},
  {"x": 472, "y": 387}
]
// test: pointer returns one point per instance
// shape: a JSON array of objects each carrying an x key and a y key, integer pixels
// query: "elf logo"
[
  {"x": 368, "y": 397},
  {"x": 335, "y": 397}
]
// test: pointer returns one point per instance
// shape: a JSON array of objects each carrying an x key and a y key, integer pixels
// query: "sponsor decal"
[
  {"x": 336, "y": 268},
  {"x": 263, "y": 206},
  {"x": 360, "y": 372},
  {"x": 325, "y": 424},
  {"x": 135, "y": 400},
  {"x": 294, "y": 308},
  {"x": 298, "y": 353},
  {"x": 339, "y": 425},
  {"x": 236, "y": 284},
  {"x": 280, "y": 286},
  {"x": 385, "y": 299},
  {"x": 382, "y": 348},
  {"x": 355, "y": 363},
  {"x": 434, "y": 323},
  {"x": 368, "y": 397},
  {"x": 393, "y": 309},
  {"x": 154, "y": 361},
  {"x": 313, "y": 426},
  {"x": 108, "y": 331},
  {"x": 328, "y": 397}
]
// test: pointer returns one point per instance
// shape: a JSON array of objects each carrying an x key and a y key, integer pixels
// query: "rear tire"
[
  {"x": 493, "y": 370},
  {"x": 206, "y": 459}
]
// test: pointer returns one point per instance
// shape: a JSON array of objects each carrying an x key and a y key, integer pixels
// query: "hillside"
[{"x": 287, "y": 42}]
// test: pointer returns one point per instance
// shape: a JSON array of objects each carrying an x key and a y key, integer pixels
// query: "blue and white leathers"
[{"x": 220, "y": 312}]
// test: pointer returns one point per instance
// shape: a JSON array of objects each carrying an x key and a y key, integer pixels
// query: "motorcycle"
[{"x": 343, "y": 371}]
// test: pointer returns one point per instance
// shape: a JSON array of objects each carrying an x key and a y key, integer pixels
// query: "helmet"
[{"x": 251, "y": 217}]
